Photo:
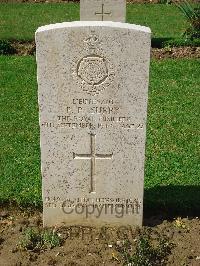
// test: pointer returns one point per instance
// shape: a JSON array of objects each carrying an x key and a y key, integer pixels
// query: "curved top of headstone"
[{"x": 93, "y": 24}]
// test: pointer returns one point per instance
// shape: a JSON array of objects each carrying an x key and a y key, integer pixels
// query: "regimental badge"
[{"x": 93, "y": 72}]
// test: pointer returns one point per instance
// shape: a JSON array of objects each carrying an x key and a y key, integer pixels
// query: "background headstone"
[
  {"x": 103, "y": 10},
  {"x": 93, "y": 87}
]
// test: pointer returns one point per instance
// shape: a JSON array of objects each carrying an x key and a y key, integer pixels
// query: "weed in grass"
[
  {"x": 146, "y": 251},
  {"x": 193, "y": 17},
  {"x": 35, "y": 240}
]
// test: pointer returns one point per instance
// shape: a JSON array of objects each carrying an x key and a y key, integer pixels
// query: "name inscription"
[{"x": 93, "y": 114}]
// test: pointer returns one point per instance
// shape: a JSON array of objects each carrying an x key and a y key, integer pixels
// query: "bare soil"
[
  {"x": 176, "y": 52},
  {"x": 94, "y": 246},
  {"x": 28, "y": 48}
]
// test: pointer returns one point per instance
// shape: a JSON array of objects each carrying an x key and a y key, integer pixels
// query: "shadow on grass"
[
  {"x": 171, "y": 201},
  {"x": 159, "y": 42},
  {"x": 171, "y": 42}
]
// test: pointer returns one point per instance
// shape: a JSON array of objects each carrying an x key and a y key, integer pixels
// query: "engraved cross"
[
  {"x": 103, "y": 13},
  {"x": 93, "y": 156}
]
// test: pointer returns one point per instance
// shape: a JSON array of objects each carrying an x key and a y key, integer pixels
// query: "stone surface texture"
[
  {"x": 93, "y": 90},
  {"x": 103, "y": 10}
]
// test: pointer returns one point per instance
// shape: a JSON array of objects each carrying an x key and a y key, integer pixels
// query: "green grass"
[
  {"x": 165, "y": 21},
  {"x": 173, "y": 143},
  {"x": 172, "y": 176},
  {"x": 19, "y": 144},
  {"x": 20, "y": 21}
]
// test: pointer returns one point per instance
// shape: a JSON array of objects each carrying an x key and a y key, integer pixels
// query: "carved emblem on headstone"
[{"x": 93, "y": 72}]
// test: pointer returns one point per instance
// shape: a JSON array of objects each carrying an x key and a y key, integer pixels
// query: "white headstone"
[
  {"x": 103, "y": 10},
  {"x": 93, "y": 87}
]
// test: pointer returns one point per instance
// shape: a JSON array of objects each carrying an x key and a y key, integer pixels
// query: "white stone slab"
[
  {"x": 93, "y": 88},
  {"x": 103, "y": 10}
]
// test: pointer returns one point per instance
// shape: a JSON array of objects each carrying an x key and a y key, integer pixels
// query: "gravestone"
[
  {"x": 103, "y": 10},
  {"x": 93, "y": 87}
]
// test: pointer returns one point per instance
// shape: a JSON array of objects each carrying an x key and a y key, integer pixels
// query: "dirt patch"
[
  {"x": 176, "y": 52},
  {"x": 24, "y": 48},
  {"x": 28, "y": 48},
  {"x": 95, "y": 246}
]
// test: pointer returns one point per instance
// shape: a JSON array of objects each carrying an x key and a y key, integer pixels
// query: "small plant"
[
  {"x": 51, "y": 239},
  {"x": 6, "y": 48},
  {"x": 193, "y": 17},
  {"x": 146, "y": 252},
  {"x": 179, "y": 223},
  {"x": 36, "y": 240}
]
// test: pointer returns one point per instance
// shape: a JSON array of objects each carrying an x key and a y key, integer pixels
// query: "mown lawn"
[
  {"x": 172, "y": 178},
  {"x": 20, "y": 21}
]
